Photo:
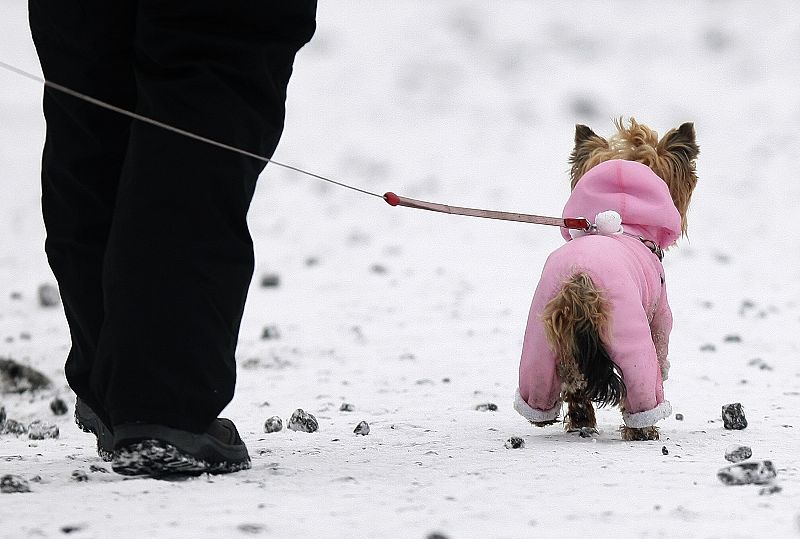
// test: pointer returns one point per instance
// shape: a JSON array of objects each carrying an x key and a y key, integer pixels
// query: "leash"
[{"x": 392, "y": 199}]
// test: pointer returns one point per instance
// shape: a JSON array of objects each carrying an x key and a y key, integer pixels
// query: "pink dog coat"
[{"x": 630, "y": 276}]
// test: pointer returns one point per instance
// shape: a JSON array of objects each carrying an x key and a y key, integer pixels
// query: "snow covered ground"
[{"x": 416, "y": 318}]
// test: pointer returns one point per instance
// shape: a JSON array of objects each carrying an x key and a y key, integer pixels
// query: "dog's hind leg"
[{"x": 580, "y": 414}]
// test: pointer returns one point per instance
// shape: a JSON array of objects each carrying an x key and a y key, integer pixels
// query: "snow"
[{"x": 416, "y": 318}]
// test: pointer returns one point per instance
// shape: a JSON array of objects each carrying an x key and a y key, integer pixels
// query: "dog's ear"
[
  {"x": 583, "y": 133},
  {"x": 587, "y": 143},
  {"x": 681, "y": 141},
  {"x": 677, "y": 152}
]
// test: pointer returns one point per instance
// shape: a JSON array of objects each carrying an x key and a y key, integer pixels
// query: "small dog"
[{"x": 599, "y": 323}]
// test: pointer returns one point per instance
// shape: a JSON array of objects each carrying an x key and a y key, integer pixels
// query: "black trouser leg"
[
  {"x": 147, "y": 231},
  {"x": 180, "y": 258},
  {"x": 86, "y": 46}
]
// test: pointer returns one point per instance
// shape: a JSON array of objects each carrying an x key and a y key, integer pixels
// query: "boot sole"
[
  {"x": 156, "y": 450},
  {"x": 156, "y": 458}
]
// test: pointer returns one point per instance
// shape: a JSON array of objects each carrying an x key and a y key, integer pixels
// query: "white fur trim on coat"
[
  {"x": 532, "y": 414},
  {"x": 648, "y": 418}
]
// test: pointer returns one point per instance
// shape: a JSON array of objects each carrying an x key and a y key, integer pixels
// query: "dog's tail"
[{"x": 577, "y": 323}]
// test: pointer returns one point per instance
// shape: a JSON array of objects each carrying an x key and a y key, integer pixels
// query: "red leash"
[{"x": 577, "y": 223}]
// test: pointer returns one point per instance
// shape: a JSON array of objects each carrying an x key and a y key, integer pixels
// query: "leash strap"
[{"x": 577, "y": 223}]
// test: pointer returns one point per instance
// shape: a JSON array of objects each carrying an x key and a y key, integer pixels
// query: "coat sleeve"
[{"x": 660, "y": 328}]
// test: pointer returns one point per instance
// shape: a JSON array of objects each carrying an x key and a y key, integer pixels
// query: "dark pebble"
[
  {"x": 49, "y": 296},
  {"x": 515, "y": 442},
  {"x": 679, "y": 417},
  {"x": 302, "y": 421},
  {"x": 12, "y": 426},
  {"x": 708, "y": 347},
  {"x": 772, "y": 489},
  {"x": 252, "y": 529},
  {"x": 738, "y": 453},
  {"x": 270, "y": 280},
  {"x": 13, "y": 483},
  {"x": 270, "y": 333},
  {"x": 664, "y": 450},
  {"x": 39, "y": 430},
  {"x": 362, "y": 428},
  {"x": 58, "y": 406},
  {"x": 733, "y": 416},
  {"x": 346, "y": 407},
  {"x": 746, "y": 473},
  {"x": 80, "y": 476},
  {"x": 486, "y": 407},
  {"x": 733, "y": 338},
  {"x": 273, "y": 424},
  {"x": 18, "y": 378}
]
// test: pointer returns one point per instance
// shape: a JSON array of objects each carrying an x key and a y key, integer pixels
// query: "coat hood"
[{"x": 632, "y": 190}]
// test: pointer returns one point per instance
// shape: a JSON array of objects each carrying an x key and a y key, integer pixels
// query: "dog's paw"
[
  {"x": 630, "y": 434},
  {"x": 544, "y": 423},
  {"x": 585, "y": 432}
]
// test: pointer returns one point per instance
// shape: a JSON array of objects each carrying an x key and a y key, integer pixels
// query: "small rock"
[
  {"x": 746, "y": 473},
  {"x": 302, "y": 421},
  {"x": 760, "y": 363},
  {"x": 273, "y": 424},
  {"x": 378, "y": 269},
  {"x": 13, "y": 483},
  {"x": 270, "y": 333},
  {"x": 252, "y": 529},
  {"x": 486, "y": 407},
  {"x": 436, "y": 535},
  {"x": 270, "y": 280},
  {"x": 733, "y": 338},
  {"x": 772, "y": 489},
  {"x": 16, "y": 296},
  {"x": 58, "y": 406},
  {"x": 80, "y": 476},
  {"x": 346, "y": 407},
  {"x": 664, "y": 450},
  {"x": 678, "y": 417},
  {"x": 708, "y": 347},
  {"x": 39, "y": 430},
  {"x": 312, "y": 261},
  {"x": 94, "y": 468},
  {"x": 738, "y": 453},
  {"x": 515, "y": 442},
  {"x": 12, "y": 426},
  {"x": 49, "y": 296},
  {"x": 71, "y": 528},
  {"x": 362, "y": 428},
  {"x": 733, "y": 416},
  {"x": 18, "y": 378}
]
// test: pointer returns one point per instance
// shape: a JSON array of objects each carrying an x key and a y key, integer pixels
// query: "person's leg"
[
  {"x": 180, "y": 257},
  {"x": 86, "y": 46}
]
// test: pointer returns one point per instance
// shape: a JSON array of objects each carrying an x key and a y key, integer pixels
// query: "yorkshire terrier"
[{"x": 599, "y": 324}]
